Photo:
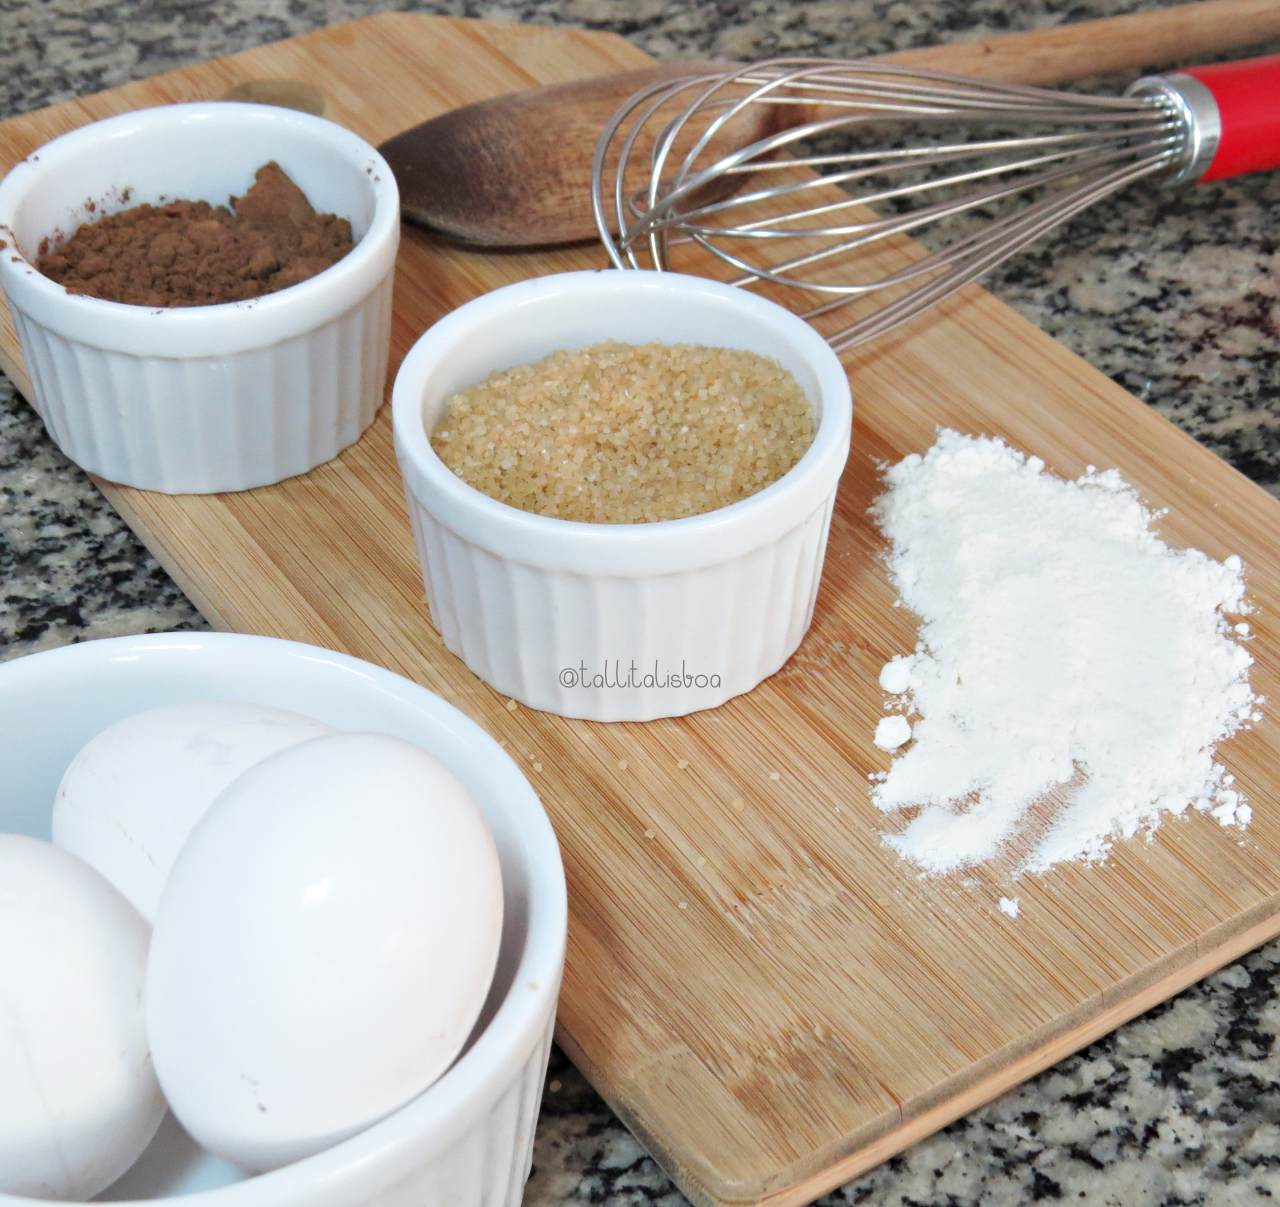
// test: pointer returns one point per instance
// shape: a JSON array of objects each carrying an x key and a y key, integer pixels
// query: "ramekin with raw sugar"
[
  {"x": 203, "y": 398},
  {"x": 619, "y": 622}
]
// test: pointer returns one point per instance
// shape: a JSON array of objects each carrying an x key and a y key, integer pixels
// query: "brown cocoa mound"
[{"x": 190, "y": 253}]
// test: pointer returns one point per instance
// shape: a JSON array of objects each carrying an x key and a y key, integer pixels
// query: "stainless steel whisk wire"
[{"x": 1128, "y": 138}]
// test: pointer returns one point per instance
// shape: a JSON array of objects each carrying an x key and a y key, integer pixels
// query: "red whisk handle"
[{"x": 1247, "y": 94}]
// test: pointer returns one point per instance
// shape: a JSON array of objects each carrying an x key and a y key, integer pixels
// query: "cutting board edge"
[
  {"x": 889, "y": 1134},
  {"x": 117, "y": 496}
]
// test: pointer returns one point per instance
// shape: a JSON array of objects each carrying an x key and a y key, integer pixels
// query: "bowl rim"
[
  {"x": 429, "y": 1123},
  {"x": 220, "y": 326},
  {"x": 633, "y": 548}
]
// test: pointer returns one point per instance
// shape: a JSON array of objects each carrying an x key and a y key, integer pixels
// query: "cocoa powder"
[{"x": 190, "y": 253}]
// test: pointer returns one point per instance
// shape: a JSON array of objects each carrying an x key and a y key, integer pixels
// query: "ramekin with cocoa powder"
[{"x": 221, "y": 395}]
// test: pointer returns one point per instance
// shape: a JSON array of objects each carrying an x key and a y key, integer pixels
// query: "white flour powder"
[{"x": 1063, "y": 646}]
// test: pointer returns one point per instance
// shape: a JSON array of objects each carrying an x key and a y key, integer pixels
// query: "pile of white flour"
[{"x": 1062, "y": 646}]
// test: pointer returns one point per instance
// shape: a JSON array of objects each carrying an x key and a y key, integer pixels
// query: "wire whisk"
[{"x": 1023, "y": 160}]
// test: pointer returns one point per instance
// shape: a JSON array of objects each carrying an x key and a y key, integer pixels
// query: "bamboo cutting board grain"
[{"x": 764, "y": 992}]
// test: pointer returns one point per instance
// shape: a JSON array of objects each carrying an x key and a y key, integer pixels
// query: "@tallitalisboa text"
[{"x": 629, "y": 675}]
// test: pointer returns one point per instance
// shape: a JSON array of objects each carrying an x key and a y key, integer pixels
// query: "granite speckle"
[
  {"x": 70, "y": 569},
  {"x": 1176, "y": 296}
]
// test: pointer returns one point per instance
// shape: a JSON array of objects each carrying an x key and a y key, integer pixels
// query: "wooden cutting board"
[{"x": 763, "y": 991}]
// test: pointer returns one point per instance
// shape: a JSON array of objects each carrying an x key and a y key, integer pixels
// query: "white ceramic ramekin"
[
  {"x": 466, "y": 1141},
  {"x": 618, "y": 622},
  {"x": 208, "y": 398}
]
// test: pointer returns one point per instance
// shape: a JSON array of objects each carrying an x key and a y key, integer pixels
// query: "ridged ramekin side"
[
  {"x": 488, "y": 1165},
  {"x": 214, "y": 423},
  {"x": 616, "y": 647}
]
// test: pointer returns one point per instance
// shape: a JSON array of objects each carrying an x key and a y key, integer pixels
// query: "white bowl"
[
  {"x": 556, "y": 613},
  {"x": 467, "y": 1140},
  {"x": 203, "y": 398}
]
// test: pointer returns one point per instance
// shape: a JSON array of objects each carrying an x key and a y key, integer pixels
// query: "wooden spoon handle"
[
  {"x": 1062, "y": 54},
  {"x": 1079, "y": 49}
]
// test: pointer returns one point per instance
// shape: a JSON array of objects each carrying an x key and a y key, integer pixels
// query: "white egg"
[
  {"x": 323, "y": 947},
  {"x": 78, "y": 1097},
  {"x": 131, "y": 796}
]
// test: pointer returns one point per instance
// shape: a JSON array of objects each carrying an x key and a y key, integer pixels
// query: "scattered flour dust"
[
  {"x": 1062, "y": 645},
  {"x": 892, "y": 732}
]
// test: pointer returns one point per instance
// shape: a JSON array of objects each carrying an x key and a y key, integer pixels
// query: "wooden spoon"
[{"x": 515, "y": 171}]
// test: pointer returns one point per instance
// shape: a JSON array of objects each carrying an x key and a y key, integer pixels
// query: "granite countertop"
[{"x": 1176, "y": 296}]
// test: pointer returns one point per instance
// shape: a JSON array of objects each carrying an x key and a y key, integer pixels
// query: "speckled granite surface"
[{"x": 1178, "y": 298}]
